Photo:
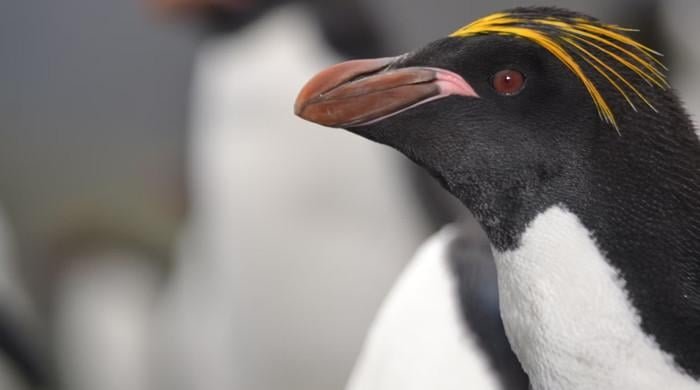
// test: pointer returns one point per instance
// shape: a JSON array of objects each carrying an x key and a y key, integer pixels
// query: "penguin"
[{"x": 562, "y": 136}]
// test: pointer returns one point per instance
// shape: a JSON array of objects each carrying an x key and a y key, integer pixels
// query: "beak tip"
[
  {"x": 298, "y": 109},
  {"x": 306, "y": 94}
]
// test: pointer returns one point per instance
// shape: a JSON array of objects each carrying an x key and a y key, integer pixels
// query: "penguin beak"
[{"x": 361, "y": 92}]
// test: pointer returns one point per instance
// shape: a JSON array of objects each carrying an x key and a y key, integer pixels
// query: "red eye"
[{"x": 508, "y": 82}]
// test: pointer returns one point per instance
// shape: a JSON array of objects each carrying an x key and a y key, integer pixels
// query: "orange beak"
[{"x": 362, "y": 92}]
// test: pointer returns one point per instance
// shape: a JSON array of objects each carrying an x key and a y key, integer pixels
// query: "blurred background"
[{"x": 167, "y": 223}]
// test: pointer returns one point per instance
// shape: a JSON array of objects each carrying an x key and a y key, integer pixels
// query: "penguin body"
[{"x": 419, "y": 330}]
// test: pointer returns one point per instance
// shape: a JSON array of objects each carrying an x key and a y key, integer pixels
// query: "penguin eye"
[{"x": 508, "y": 82}]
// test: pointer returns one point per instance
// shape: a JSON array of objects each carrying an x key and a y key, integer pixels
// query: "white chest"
[{"x": 568, "y": 316}]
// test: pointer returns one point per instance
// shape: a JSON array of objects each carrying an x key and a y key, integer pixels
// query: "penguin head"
[{"x": 506, "y": 111}]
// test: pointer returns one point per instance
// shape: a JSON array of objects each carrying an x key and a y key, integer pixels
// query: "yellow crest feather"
[{"x": 572, "y": 38}]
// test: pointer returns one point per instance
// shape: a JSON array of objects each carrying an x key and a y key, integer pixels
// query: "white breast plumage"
[{"x": 568, "y": 316}]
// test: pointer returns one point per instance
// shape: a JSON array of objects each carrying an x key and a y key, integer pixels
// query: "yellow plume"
[{"x": 570, "y": 39}]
